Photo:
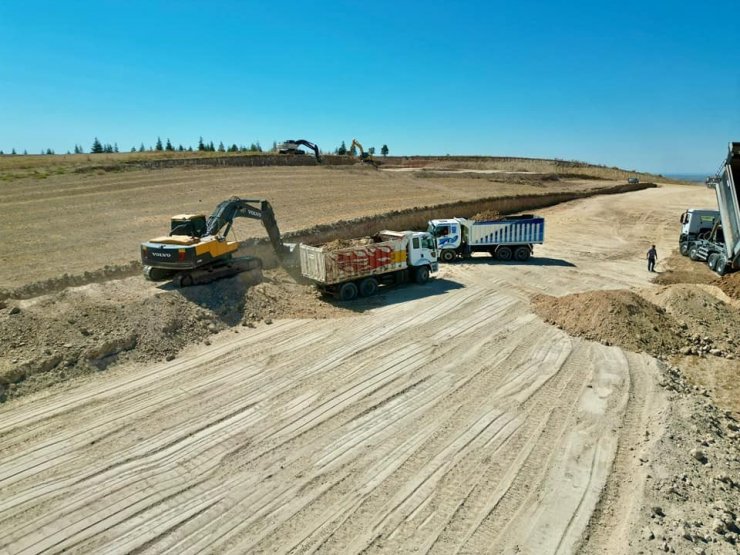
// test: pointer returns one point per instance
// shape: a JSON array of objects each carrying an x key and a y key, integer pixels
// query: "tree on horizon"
[
  {"x": 158, "y": 146},
  {"x": 384, "y": 150},
  {"x": 97, "y": 147}
]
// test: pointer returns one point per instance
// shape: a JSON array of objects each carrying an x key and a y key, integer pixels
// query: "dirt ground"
[
  {"x": 448, "y": 417},
  {"x": 76, "y": 223}
]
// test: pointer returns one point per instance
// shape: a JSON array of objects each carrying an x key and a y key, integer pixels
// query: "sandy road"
[{"x": 449, "y": 419}]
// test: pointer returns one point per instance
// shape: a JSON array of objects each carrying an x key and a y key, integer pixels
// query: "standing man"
[{"x": 652, "y": 256}]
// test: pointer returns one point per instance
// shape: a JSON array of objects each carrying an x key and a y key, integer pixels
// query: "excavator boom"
[
  {"x": 291, "y": 147},
  {"x": 366, "y": 157}
]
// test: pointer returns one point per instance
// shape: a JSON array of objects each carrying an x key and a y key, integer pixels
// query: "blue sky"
[{"x": 643, "y": 85}]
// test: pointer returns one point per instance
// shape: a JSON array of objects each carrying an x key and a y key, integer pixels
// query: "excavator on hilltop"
[
  {"x": 197, "y": 251},
  {"x": 291, "y": 147},
  {"x": 365, "y": 157}
]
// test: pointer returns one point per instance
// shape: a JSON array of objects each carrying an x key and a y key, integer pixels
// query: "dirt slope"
[
  {"x": 443, "y": 418},
  {"x": 70, "y": 224}
]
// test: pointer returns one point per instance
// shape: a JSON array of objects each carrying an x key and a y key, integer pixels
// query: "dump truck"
[
  {"x": 720, "y": 247},
  {"x": 391, "y": 257},
  {"x": 506, "y": 238},
  {"x": 696, "y": 224}
]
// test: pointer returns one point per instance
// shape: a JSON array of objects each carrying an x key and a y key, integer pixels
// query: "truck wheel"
[
  {"x": 447, "y": 255},
  {"x": 368, "y": 287},
  {"x": 684, "y": 248},
  {"x": 694, "y": 253},
  {"x": 522, "y": 254},
  {"x": 721, "y": 265},
  {"x": 712, "y": 260},
  {"x": 421, "y": 275},
  {"x": 347, "y": 291},
  {"x": 504, "y": 253}
]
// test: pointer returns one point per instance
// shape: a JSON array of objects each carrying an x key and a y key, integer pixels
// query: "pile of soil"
[
  {"x": 83, "y": 330},
  {"x": 486, "y": 215},
  {"x": 681, "y": 269},
  {"x": 706, "y": 321},
  {"x": 730, "y": 284},
  {"x": 674, "y": 320},
  {"x": 621, "y": 318}
]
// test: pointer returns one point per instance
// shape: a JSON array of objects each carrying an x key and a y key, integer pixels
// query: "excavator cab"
[{"x": 192, "y": 225}]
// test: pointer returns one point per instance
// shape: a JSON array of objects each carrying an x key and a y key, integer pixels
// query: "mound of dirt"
[
  {"x": 50, "y": 339},
  {"x": 486, "y": 215},
  {"x": 681, "y": 269},
  {"x": 621, "y": 318},
  {"x": 730, "y": 284},
  {"x": 707, "y": 322}
]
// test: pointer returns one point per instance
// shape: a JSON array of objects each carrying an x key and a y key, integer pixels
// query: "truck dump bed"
[
  {"x": 727, "y": 187},
  {"x": 512, "y": 230},
  {"x": 328, "y": 267}
]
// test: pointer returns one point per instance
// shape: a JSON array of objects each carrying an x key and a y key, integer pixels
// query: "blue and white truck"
[{"x": 506, "y": 238}]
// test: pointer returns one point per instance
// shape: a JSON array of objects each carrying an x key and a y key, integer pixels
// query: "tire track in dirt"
[{"x": 455, "y": 422}]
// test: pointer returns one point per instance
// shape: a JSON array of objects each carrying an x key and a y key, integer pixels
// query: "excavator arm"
[
  {"x": 291, "y": 147},
  {"x": 310, "y": 145},
  {"x": 364, "y": 156},
  {"x": 219, "y": 223}
]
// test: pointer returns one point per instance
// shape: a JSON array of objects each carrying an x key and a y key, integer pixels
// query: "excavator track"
[{"x": 251, "y": 265}]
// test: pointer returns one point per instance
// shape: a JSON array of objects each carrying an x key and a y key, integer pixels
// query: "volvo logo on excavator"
[{"x": 161, "y": 254}]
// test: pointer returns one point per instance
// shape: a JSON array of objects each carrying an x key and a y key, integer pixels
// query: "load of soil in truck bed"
[{"x": 339, "y": 244}]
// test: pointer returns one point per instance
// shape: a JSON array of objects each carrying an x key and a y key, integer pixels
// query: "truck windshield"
[{"x": 427, "y": 242}]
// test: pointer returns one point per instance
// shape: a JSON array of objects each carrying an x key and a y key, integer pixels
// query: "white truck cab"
[
  {"x": 421, "y": 250},
  {"x": 695, "y": 220},
  {"x": 448, "y": 232}
]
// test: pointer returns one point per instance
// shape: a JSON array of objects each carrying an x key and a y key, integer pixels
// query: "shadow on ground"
[
  {"x": 537, "y": 261},
  {"x": 390, "y": 295}
]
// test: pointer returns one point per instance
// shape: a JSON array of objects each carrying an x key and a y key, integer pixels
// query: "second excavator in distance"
[
  {"x": 365, "y": 157},
  {"x": 197, "y": 250}
]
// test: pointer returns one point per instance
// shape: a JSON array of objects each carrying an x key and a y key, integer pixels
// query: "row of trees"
[{"x": 100, "y": 148}]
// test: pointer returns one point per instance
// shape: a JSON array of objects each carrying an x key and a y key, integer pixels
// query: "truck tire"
[
  {"x": 712, "y": 260},
  {"x": 347, "y": 291},
  {"x": 447, "y": 255},
  {"x": 721, "y": 265},
  {"x": 694, "y": 253},
  {"x": 421, "y": 274},
  {"x": 683, "y": 248},
  {"x": 521, "y": 254},
  {"x": 368, "y": 287},
  {"x": 504, "y": 253}
]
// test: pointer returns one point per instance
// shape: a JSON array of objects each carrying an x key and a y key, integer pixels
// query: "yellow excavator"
[
  {"x": 365, "y": 157},
  {"x": 197, "y": 251}
]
